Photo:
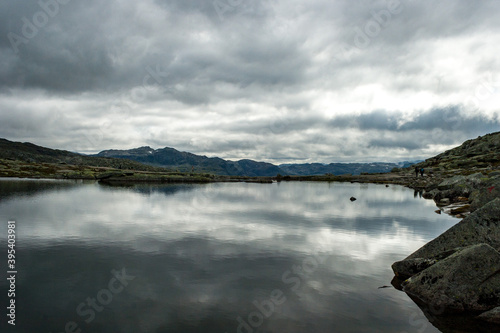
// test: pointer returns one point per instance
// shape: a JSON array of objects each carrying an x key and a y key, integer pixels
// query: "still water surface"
[{"x": 289, "y": 257}]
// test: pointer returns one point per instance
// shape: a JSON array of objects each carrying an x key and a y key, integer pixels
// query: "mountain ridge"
[
  {"x": 185, "y": 161},
  {"x": 29, "y": 160}
]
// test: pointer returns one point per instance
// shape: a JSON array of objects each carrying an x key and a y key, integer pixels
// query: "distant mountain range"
[
  {"x": 183, "y": 161},
  {"x": 149, "y": 159},
  {"x": 341, "y": 168},
  {"x": 174, "y": 159}
]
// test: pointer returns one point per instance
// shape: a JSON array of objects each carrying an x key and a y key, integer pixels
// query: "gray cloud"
[
  {"x": 273, "y": 80},
  {"x": 451, "y": 118}
]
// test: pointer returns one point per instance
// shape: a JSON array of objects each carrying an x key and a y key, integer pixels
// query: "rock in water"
[
  {"x": 409, "y": 267},
  {"x": 482, "y": 226},
  {"x": 353, "y": 199},
  {"x": 468, "y": 280}
]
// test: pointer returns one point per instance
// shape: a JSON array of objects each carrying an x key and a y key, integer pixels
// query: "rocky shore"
[{"x": 459, "y": 271}]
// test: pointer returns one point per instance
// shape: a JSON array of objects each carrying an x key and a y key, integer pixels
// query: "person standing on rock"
[
  {"x": 422, "y": 172},
  {"x": 416, "y": 171}
]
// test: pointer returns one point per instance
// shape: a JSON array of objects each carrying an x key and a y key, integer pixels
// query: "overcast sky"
[{"x": 271, "y": 80}]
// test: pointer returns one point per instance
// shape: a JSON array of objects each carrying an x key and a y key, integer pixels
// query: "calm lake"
[{"x": 288, "y": 257}]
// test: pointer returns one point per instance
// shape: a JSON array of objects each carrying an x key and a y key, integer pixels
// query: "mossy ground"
[{"x": 21, "y": 169}]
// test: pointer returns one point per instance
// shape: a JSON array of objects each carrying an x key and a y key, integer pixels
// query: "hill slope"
[
  {"x": 28, "y": 152},
  {"x": 468, "y": 175},
  {"x": 482, "y": 152}
]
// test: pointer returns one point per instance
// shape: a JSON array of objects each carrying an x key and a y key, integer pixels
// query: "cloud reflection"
[{"x": 203, "y": 254}]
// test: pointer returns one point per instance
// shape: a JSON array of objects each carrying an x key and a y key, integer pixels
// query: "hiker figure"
[
  {"x": 416, "y": 172},
  {"x": 422, "y": 172}
]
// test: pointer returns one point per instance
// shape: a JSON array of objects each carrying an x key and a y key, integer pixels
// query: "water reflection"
[
  {"x": 148, "y": 189},
  {"x": 212, "y": 258},
  {"x": 26, "y": 187}
]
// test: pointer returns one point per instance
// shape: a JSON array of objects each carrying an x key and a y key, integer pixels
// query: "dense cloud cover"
[{"x": 279, "y": 81}]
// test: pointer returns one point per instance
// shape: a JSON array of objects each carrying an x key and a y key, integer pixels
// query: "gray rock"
[
  {"x": 459, "y": 186},
  {"x": 489, "y": 191},
  {"x": 406, "y": 268},
  {"x": 492, "y": 316},
  {"x": 449, "y": 183},
  {"x": 444, "y": 201},
  {"x": 430, "y": 194},
  {"x": 468, "y": 280},
  {"x": 473, "y": 180},
  {"x": 482, "y": 226}
]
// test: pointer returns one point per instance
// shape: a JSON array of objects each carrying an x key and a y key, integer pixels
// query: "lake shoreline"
[
  {"x": 466, "y": 190},
  {"x": 456, "y": 203},
  {"x": 112, "y": 176}
]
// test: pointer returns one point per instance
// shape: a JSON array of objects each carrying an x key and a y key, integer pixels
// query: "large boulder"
[
  {"x": 468, "y": 280},
  {"x": 489, "y": 190},
  {"x": 430, "y": 194},
  {"x": 449, "y": 183},
  {"x": 410, "y": 267},
  {"x": 458, "y": 186},
  {"x": 470, "y": 181},
  {"x": 482, "y": 226}
]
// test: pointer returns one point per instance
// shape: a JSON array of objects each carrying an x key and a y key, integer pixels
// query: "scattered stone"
[
  {"x": 353, "y": 199},
  {"x": 438, "y": 211},
  {"x": 460, "y": 210},
  {"x": 430, "y": 194},
  {"x": 459, "y": 187},
  {"x": 445, "y": 201}
]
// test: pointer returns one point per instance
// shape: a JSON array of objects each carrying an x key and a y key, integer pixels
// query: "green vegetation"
[{"x": 33, "y": 154}]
